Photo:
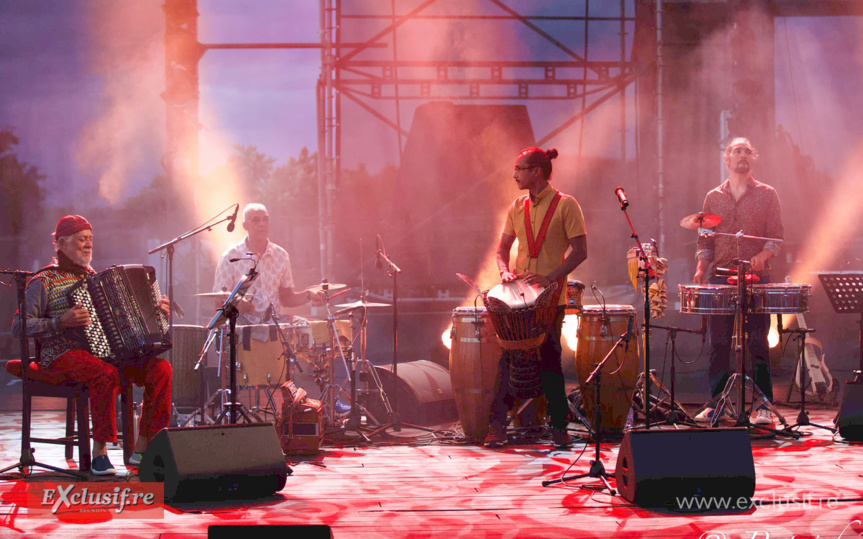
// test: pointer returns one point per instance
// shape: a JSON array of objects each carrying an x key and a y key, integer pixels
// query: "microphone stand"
[
  {"x": 647, "y": 274},
  {"x": 395, "y": 421},
  {"x": 169, "y": 248},
  {"x": 229, "y": 311},
  {"x": 597, "y": 469}
]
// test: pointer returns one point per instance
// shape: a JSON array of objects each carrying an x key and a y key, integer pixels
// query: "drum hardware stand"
[
  {"x": 393, "y": 271},
  {"x": 803, "y": 416},
  {"x": 27, "y": 459},
  {"x": 362, "y": 369},
  {"x": 647, "y": 273},
  {"x": 677, "y": 414},
  {"x": 720, "y": 402},
  {"x": 331, "y": 391},
  {"x": 169, "y": 249},
  {"x": 229, "y": 311},
  {"x": 597, "y": 469},
  {"x": 578, "y": 415}
]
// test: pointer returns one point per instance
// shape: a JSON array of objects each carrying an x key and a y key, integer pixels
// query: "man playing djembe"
[{"x": 547, "y": 223}]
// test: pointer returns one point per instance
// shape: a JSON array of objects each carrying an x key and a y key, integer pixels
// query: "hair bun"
[{"x": 551, "y": 153}]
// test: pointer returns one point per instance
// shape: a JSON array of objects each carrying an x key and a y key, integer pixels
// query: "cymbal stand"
[
  {"x": 803, "y": 416},
  {"x": 332, "y": 390},
  {"x": 393, "y": 271},
  {"x": 597, "y": 469}
]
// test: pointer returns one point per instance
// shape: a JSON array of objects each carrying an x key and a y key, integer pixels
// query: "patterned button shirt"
[
  {"x": 756, "y": 213},
  {"x": 274, "y": 268}
]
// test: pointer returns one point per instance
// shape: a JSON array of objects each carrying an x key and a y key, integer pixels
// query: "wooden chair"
[{"x": 44, "y": 383}]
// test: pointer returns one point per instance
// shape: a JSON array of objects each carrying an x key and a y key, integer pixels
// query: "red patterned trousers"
[{"x": 103, "y": 381}]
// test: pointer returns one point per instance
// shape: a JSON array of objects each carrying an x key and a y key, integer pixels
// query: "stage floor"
[{"x": 415, "y": 485}]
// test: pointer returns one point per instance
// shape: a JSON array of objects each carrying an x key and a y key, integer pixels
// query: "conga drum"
[
  {"x": 598, "y": 332},
  {"x": 473, "y": 361},
  {"x": 188, "y": 341}
]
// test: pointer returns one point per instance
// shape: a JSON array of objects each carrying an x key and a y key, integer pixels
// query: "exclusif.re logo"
[{"x": 112, "y": 500}]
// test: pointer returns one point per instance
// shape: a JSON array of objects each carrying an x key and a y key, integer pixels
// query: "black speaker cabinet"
[
  {"x": 217, "y": 462},
  {"x": 850, "y": 418},
  {"x": 662, "y": 468},
  {"x": 425, "y": 395}
]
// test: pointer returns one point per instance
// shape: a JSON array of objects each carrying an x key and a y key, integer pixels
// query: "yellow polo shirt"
[{"x": 567, "y": 222}]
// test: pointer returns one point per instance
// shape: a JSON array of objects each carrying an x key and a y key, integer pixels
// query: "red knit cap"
[{"x": 71, "y": 224}]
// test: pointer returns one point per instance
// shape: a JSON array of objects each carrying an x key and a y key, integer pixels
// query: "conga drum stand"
[
  {"x": 677, "y": 414},
  {"x": 597, "y": 469}
]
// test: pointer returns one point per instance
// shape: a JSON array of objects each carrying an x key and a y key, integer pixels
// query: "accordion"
[{"x": 126, "y": 321}]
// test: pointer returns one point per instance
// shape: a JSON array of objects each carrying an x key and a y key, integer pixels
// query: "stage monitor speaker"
[
  {"x": 216, "y": 462},
  {"x": 269, "y": 531},
  {"x": 850, "y": 418},
  {"x": 425, "y": 395},
  {"x": 673, "y": 468}
]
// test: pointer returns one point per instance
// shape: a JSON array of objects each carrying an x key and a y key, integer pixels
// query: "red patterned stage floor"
[{"x": 812, "y": 487}]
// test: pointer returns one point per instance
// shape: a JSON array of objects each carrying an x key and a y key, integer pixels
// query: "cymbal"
[
  {"x": 331, "y": 287},
  {"x": 358, "y": 304},
  {"x": 700, "y": 220},
  {"x": 223, "y": 295}
]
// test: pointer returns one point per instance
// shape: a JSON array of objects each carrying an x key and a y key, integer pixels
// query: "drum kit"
[{"x": 268, "y": 355}]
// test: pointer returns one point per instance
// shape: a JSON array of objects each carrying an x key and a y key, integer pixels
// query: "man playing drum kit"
[
  {"x": 274, "y": 284},
  {"x": 555, "y": 223},
  {"x": 746, "y": 205}
]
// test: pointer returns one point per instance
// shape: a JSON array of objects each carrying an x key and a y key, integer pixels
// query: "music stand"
[
  {"x": 229, "y": 313},
  {"x": 845, "y": 290}
]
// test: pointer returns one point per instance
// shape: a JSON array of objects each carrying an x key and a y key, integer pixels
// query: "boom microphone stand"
[
  {"x": 393, "y": 271},
  {"x": 597, "y": 469},
  {"x": 228, "y": 312},
  {"x": 647, "y": 274}
]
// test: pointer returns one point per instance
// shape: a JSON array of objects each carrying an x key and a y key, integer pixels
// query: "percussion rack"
[{"x": 721, "y": 401}]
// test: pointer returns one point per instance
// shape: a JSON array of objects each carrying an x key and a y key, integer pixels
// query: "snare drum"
[
  {"x": 708, "y": 299},
  {"x": 473, "y": 362},
  {"x": 780, "y": 298},
  {"x": 596, "y": 336}
]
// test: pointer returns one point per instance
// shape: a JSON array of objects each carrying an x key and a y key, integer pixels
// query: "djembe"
[{"x": 522, "y": 316}]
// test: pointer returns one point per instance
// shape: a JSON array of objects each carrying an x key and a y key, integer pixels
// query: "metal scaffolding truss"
[{"x": 368, "y": 76}]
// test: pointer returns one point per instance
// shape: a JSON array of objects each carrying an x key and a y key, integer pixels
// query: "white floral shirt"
[{"x": 274, "y": 268}]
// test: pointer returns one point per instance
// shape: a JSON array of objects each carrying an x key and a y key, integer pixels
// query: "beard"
[
  {"x": 78, "y": 258},
  {"x": 742, "y": 167}
]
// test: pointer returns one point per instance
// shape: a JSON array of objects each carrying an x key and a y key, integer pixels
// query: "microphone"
[
  {"x": 621, "y": 196},
  {"x": 248, "y": 256},
  {"x": 379, "y": 249},
  {"x": 233, "y": 218},
  {"x": 268, "y": 314}
]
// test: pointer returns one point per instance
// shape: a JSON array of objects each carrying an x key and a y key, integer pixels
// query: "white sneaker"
[
  {"x": 762, "y": 417},
  {"x": 705, "y": 416}
]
